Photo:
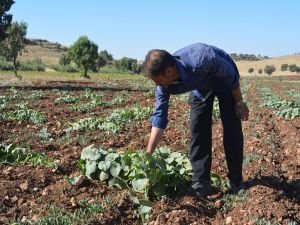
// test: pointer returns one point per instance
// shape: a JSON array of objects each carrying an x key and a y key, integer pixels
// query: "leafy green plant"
[
  {"x": 24, "y": 113},
  {"x": 11, "y": 154},
  {"x": 158, "y": 174},
  {"x": 44, "y": 135},
  {"x": 295, "y": 94},
  {"x": 36, "y": 95},
  {"x": 287, "y": 109},
  {"x": 15, "y": 94},
  {"x": 65, "y": 97},
  {"x": 119, "y": 99},
  {"x": 3, "y": 102},
  {"x": 148, "y": 175},
  {"x": 81, "y": 107},
  {"x": 97, "y": 101},
  {"x": 114, "y": 123}
]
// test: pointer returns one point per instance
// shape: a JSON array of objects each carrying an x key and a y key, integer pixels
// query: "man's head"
[{"x": 160, "y": 66}]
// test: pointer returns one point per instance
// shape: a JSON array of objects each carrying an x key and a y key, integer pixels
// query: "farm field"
[{"x": 51, "y": 122}]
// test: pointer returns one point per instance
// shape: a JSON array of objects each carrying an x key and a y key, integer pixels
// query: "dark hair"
[{"x": 156, "y": 62}]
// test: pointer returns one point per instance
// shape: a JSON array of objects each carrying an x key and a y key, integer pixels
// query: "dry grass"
[
  {"x": 8, "y": 77},
  {"x": 49, "y": 57},
  {"x": 243, "y": 66}
]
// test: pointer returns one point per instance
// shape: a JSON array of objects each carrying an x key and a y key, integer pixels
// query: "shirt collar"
[{"x": 182, "y": 72}]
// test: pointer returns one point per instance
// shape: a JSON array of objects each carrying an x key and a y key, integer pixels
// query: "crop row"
[{"x": 288, "y": 109}]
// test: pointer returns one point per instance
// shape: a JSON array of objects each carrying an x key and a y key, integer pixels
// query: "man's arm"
[
  {"x": 155, "y": 137},
  {"x": 237, "y": 95},
  {"x": 240, "y": 107},
  {"x": 159, "y": 119}
]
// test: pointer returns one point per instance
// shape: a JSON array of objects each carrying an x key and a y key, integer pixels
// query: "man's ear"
[{"x": 168, "y": 72}]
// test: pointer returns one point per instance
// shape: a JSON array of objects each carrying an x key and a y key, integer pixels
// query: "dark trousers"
[{"x": 201, "y": 137}]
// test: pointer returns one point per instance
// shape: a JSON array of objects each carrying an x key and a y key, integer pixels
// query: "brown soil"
[{"x": 271, "y": 167}]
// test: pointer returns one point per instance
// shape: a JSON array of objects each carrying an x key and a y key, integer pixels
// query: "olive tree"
[
  {"x": 269, "y": 69},
  {"x": 84, "y": 54},
  {"x": 5, "y": 19},
  {"x": 284, "y": 67},
  {"x": 260, "y": 71},
  {"x": 14, "y": 43}
]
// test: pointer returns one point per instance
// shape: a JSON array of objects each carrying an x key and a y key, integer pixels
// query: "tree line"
[
  {"x": 269, "y": 69},
  {"x": 248, "y": 57}
]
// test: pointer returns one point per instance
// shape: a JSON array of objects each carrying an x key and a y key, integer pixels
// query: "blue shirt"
[{"x": 202, "y": 67}]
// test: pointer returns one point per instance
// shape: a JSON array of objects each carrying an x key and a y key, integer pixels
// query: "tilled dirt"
[{"x": 271, "y": 164}]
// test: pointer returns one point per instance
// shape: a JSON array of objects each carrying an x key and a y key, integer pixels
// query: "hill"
[
  {"x": 50, "y": 53},
  {"x": 47, "y": 51},
  {"x": 260, "y": 64}
]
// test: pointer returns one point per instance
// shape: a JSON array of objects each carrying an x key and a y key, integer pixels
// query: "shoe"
[
  {"x": 237, "y": 188},
  {"x": 202, "y": 188}
]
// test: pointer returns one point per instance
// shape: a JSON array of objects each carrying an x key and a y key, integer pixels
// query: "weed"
[
  {"x": 44, "y": 135},
  {"x": 250, "y": 157},
  {"x": 232, "y": 200},
  {"x": 88, "y": 213}
]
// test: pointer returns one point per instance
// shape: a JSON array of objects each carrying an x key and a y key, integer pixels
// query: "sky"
[{"x": 130, "y": 28}]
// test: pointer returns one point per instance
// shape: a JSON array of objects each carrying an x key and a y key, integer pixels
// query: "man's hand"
[
  {"x": 241, "y": 110},
  {"x": 155, "y": 136}
]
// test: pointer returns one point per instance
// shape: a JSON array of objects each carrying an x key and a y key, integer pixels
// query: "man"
[{"x": 206, "y": 71}]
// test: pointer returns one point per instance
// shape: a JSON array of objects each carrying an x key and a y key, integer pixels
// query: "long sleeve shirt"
[{"x": 202, "y": 67}]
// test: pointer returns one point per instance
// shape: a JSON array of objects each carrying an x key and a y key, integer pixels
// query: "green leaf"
[
  {"x": 115, "y": 169},
  {"x": 104, "y": 165},
  {"x": 118, "y": 182},
  {"x": 74, "y": 180},
  {"x": 175, "y": 155},
  {"x": 145, "y": 209},
  {"x": 216, "y": 179},
  {"x": 133, "y": 197},
  {"x": 112, "y": 156},
  {"x": 103, "y": 176},
  {"x": 91, "y": 167},
  {"x": 140, "y": 184},
  {"x": 182, "y": 171},
  {"x": 170, "y": 160},
  {"x": 90, "y": 153}
]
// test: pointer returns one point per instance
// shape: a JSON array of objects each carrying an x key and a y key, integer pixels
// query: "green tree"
[
  {"x": 250, "y": 70},
  {"x": 103, "y": 59},
  {"x": 14, "y": 43},
  {"x": 292, "y": 67},
  {"x": 5, "y": 19},
  {"x": 64, "y": 60},
  {"x": 127, "y": 64},
  {"x": 284, "y": 67},
  {"x": 269, "y": 69},
  {"x": 84, "y": 54}
]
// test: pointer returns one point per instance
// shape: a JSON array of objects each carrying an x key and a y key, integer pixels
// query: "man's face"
[
  {"x": 162, "y": 80},
  {"x": 166, "y": 78}
]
